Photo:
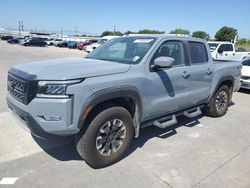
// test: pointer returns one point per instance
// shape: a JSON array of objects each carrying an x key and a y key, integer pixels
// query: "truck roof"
[{"x": 162, "y": 36}]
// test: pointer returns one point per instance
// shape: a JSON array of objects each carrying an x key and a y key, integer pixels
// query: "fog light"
[{"x": 52, "y": 118}]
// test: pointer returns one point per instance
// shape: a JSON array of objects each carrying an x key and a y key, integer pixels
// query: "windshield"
[
  {"x": 213, "y": 46},
  {"x": 129, "y": 50},
  {"x": 246, "y": 62}
]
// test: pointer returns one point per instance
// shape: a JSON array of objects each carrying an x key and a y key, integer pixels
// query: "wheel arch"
[
  {"x": 225, "y": 80},
  {"x": 121, "y": 96}
]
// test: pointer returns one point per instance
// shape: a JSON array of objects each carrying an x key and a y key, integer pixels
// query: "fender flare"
[
  {"x": 109, "y": 94},
  {"x": 221, "y": 80}
]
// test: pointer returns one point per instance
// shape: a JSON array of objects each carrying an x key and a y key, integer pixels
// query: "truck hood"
[
  {"x": 245, "y": 71},
  {"x": 72, "y": 68}
]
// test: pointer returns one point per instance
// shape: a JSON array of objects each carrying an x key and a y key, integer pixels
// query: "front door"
[
  {"x": 225, "y": 52},
  {"x": 168, "y": 89}
]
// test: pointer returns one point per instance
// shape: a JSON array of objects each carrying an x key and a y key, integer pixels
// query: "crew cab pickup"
[
  {"x": 126, "y": 84},
  {"x": 226, "y": 51}
]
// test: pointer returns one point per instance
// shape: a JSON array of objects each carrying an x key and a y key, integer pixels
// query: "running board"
[
  {"x": 165, "y": 122},
  {"x": 192, "y": 112}
]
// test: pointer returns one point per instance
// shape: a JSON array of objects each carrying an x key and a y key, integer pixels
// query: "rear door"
[{"x": 202, "y": 72}]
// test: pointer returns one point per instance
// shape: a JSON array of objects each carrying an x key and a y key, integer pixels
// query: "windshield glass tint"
[
  {"x": 129, "y": 50},
  {"x": 213, "y": 46},
  {"x": 246, "y": 62}
]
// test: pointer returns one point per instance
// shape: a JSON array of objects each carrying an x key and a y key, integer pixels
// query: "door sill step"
[
  {"x": 192, "y": 112},
  {"x": 165, "y": 122}
]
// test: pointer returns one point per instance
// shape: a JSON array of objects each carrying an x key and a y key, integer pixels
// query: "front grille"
[
  {"x": 245, "y": 77},
  {"x": 21, "y": 85},
  {"x": 17, "y": 87}
]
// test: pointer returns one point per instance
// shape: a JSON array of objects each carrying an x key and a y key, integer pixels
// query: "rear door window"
[{"x": 198, "y": 52}]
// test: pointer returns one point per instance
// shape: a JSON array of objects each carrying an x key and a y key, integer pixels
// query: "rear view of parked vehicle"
[
  {"x": 245, "y": 74},
  {"x": 101, "y": 41},
  {"x": 81, "y": 45},
  {"x": 72, "y": 44}
]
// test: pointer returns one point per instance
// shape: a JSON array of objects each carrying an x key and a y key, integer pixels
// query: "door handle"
[
  {"x": 209, "y": 71},
  {"x": 185, "y": 74}
]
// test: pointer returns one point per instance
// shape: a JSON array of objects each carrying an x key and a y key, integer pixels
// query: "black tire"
[
  {"x": 86, "y": 143},
  {"x": 219, "y": 103}
]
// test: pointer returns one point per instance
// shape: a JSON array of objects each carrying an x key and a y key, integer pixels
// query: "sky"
[{"x": 95, "y": 16}]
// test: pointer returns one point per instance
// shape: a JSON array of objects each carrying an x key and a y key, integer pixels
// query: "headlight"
[{"x": 54, "y": 88}]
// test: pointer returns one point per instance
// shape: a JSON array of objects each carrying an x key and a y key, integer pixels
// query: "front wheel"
[
  {"x": 107, "y": 137},
  {"x": 219, "y": 103}
]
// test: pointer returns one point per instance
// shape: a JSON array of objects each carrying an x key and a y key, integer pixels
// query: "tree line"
[{"x": 223, "y": 34}]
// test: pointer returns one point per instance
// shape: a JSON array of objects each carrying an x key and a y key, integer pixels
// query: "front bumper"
[
  {"x": 245, "y": 84},
  {"x": 31, "y": 117},
  {"x": 26, "y": 121}
]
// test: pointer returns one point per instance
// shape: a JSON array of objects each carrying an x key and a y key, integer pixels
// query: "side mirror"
[{"x": 163, "y": 62}]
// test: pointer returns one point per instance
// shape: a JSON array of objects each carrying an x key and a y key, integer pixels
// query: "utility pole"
[
  {"x": 61, "y": 32},
  {"x": 75, "y": 32},
  {"x": 20, "y": 27},
  {"x": 114, "y": 29}
]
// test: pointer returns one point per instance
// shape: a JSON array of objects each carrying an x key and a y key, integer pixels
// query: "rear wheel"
[
  {"x": 219, "y": 103},
  {"x": 107, "y": 137}
]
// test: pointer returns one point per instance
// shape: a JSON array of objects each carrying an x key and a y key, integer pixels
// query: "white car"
[
  {"x": 226, "y": 51},
  {"x": 56, "y": 42},
  {"x": 245, "y": 74},
  {"x": 93, "y": 46},
  {"x": 50, "y": 41}
]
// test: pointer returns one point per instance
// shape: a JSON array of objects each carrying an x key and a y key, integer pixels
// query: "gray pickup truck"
[{"x": 126, "y": 84}]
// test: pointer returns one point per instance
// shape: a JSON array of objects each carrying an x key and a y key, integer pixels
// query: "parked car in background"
[
  {"x": 35, "y": 42},
  {"x": 245, "y": 74},
  {"x": 15, "y": 40},
  {"x": 226, "y": 51},
  {"x": 81, "y": 45},
  {"x": 50, "y": 41},
  {"x": 72, "y": 44},
  {"x": 26, "y": 38},
  {"x": 93, "y": 46},
  {"x": 7, "y": 37},
  {"x": 56, "y": 42},
  {"x": 62, "y": 44},
  {"x": 241, "y": 49}
]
